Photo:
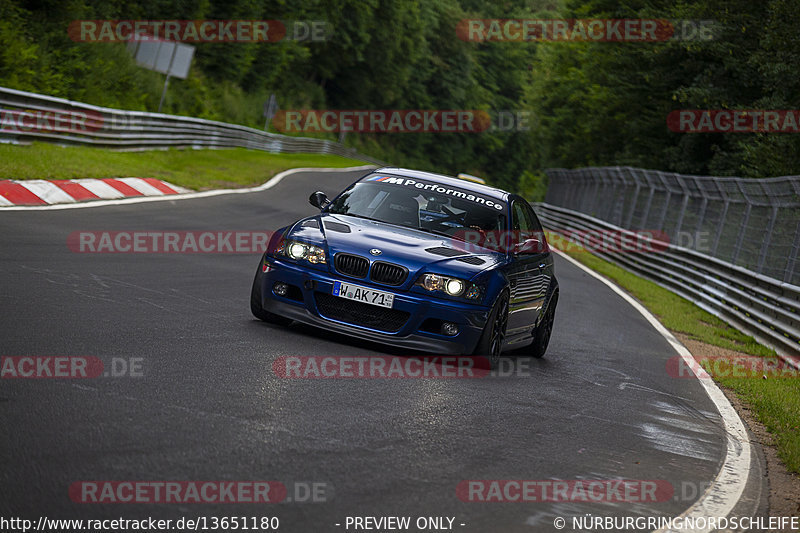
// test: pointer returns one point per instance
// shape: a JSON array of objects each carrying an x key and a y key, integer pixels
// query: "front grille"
[
  {"x": 387, "y": 273},
  {"x": 360, "y": 314},
  {"x": 351, "y": 265}
]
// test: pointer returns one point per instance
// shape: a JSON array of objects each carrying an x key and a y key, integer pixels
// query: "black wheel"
[
  {"x": 255, "y": 302},
  {"x": 542, "y": 336},
  {"x": 494, "y": 332}
]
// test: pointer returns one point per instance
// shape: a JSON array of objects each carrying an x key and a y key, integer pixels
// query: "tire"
[
  {"x": 541, "y": 338},
  {"x": 255, "y": 302},
  {"x": 490, "y": 344}
]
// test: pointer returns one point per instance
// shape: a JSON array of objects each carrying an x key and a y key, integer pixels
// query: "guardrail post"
[
  {"x": 762, "y": 255},
  {"x": 663, "y": 216},
  {"x": 649, "y": 202},
  {"x": 791, "y": 261},
  {"x": 701, "y": 216},
  {"x": 679, "y": 222},
  {"x": 619, "y": 188},
  {"x": 629, "y": 219},
  {"x": 721, "y": 224},
  {"x": 743, "y": 228}
]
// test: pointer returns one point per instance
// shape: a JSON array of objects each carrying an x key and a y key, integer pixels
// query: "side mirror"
[
  {"x": 529, "y": 246},
  {"x": 318, "y": 199}
]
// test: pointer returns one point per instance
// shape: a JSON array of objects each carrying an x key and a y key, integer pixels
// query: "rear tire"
[
  {"x": 490, "y": 344},
  {"x": 255, "y": 302}
]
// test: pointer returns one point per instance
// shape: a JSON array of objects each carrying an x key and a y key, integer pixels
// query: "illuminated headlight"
[
  {"x": 454, "y": 287},
  {"x": 299, "y": 250},
  {"x": 451, "y": 286}
]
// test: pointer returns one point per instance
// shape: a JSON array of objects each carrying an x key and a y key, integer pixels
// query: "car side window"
[
  {"x": 526, "y": 227},
  {"x": 533, "y": 220},
  {"x": 520, "y": 223}
]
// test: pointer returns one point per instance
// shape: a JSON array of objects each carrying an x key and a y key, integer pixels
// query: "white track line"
[
  {"x": 218, "y": 192},
  {"x": 725, "y": 491}
]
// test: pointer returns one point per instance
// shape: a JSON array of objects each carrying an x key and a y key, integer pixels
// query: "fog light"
[
  {"x": 280, "y": 288},
  {"x": 448, "y": 328}
]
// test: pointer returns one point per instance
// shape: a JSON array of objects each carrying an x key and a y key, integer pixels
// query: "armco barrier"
[
  {"x": 760, "y": 306},
  {"x": 34, "y": 117},
  {"x": 752, "y": 223}
]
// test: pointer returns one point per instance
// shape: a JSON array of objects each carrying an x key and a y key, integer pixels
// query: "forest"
[{"x": 585, "y": 102}]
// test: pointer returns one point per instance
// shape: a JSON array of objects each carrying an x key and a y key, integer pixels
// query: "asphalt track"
[{"x": 601, "y": 405}]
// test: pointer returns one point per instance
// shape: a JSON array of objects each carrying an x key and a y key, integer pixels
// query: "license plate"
[{"x": 362, "y": 294}]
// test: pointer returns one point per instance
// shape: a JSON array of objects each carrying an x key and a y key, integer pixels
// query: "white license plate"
[{"x": 362, "y": 294}]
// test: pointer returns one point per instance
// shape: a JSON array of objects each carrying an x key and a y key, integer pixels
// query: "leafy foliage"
[{"x": 602, "y": 103}]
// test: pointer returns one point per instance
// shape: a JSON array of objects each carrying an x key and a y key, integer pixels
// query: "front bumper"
[{"x": 302, "y": 304}]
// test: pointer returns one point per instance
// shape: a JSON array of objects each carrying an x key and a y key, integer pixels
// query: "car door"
[{"x": 529, "y": 273}]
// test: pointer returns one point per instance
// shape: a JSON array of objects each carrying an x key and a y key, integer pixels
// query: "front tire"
[
  {"x": 490, "y": 344},
  {"x": 255, "y": 302},
  {"x": 541, "y": 338}
]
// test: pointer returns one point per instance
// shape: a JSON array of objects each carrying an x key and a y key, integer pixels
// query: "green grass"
[
  {"x": 775, "y": 402},
  {"x": 194, "y": 169}
]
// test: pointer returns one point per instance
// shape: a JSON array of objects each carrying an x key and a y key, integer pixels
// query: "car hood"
[{"x": 416, "y": 250}]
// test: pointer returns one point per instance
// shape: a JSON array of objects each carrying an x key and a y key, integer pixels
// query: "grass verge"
[
  {"x": 194, "y": 169},
  {"x": 774, "y": 401}
]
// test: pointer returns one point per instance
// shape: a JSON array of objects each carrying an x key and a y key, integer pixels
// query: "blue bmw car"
[{"x": 415, "y": 260}]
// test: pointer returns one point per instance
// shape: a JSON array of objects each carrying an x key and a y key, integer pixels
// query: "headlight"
[
  {"x": 450, "y": 286},
  {"x": 297, "y": 250},
  {"x": 432, "y": 282},
  {"x": 454, "y": 287},
  {"x": 300, "y": 250}
]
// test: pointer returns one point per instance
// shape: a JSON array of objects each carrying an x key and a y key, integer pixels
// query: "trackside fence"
[
  {"x": 26, "y": 117},
  {"x": 730, "y": 245}
]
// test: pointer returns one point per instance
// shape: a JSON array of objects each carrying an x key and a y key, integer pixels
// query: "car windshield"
[{"x": 426, "y": 206}]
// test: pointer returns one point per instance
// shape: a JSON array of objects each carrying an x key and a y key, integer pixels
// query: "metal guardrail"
[
  {"x": 753, "y": 223},
  {"x": 760, "y": 306},
  {"x": 27, "y": 117}
]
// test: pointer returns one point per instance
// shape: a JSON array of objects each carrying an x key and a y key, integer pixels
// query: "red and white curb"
[
  {"x": 53, "y": 190},
  {"x": 47, "y": 192}
]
